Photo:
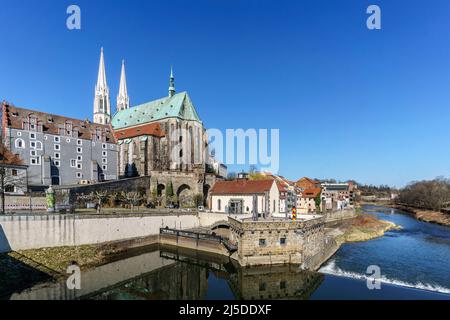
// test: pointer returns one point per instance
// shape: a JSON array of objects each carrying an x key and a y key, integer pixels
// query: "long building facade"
[{"x": 59, "y": 150}]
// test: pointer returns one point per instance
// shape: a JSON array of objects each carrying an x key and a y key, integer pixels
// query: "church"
[{"x": 163, "y": 138}]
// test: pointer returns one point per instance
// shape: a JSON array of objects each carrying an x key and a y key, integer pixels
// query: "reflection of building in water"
[
  {"x": 283, "y": 282},
  {"x": 188, "y": 279},
  {"x": 176, "y": 282}
]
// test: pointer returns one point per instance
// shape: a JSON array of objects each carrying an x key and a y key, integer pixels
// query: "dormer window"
[{"x": 50, "y": 120}]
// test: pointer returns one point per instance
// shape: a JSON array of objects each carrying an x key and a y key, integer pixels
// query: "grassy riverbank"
[
  {"x": 363, "y": 228},
  {"x": 424, "y": 215}
]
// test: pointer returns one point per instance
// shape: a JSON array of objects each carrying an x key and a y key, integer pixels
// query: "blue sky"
[{"x": 349, "y": 102}]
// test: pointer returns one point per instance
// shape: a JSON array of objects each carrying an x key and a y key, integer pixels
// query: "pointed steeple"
[
  {"x": 123, "y": 101},
  {"x": 171, "y": 83},
  {"x": 101, "y": 81},
  {"x": 102, "y": 106}
]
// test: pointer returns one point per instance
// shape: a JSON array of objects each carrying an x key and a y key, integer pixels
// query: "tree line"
[{"x": 432, "y": 194}]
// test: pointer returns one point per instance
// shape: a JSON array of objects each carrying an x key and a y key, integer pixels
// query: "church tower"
[
  {"x": 102, "y": 105},
  {"x": 171, "y": 84},
  {"x": 123, "y": 101}
]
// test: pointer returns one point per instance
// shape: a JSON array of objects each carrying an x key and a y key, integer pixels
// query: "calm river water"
[{"x": 414, "y": 263}]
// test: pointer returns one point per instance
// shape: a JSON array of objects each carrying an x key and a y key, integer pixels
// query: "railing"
[{"x": 199, "y": 236}]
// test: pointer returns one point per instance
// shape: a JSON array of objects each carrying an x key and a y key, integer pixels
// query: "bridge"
[{"x": 199, "y": 238}]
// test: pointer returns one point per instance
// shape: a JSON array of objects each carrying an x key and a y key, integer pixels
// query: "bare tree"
[
  {"x": 100, "y": 197},
  {"x": 132, "y": 198},
  {"x": 10, "y": 172}
]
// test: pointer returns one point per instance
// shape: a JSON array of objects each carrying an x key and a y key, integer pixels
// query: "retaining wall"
[{"x": 43, "y": 231}]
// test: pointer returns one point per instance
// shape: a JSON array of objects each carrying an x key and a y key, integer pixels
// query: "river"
[{"x": 414, "y": 264}]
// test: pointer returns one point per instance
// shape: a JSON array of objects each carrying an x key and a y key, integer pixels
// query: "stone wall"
[
  {"x": 16, "y": 203},
  {"x": 42, "y": 231},
  {"x": 338, "y": 215},
  {"x": 302, "y": 240}
]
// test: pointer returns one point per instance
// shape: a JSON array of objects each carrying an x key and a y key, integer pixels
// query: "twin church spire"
[{"x": 102, "y": 105}]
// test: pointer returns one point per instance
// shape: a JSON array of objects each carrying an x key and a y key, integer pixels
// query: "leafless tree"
[
  {"x": 100, "y": 197},
  {"x": 132, "y": 198}
]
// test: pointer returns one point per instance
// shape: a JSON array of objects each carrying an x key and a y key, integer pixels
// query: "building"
[
  {"x": 337, "y": 196},
  {"x": 163, "y": 138},
  {"x": 279, "y": 241},
  {"x": 306, "y": 202},
  {"x": 13, "y": 174},
  {"x": 259, "y": 197},
  {"x": 307, "y": 183},
  {"x": 59, "y": 150}
]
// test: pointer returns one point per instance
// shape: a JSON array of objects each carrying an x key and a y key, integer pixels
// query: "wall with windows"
[{"x": 63, "y": 160}]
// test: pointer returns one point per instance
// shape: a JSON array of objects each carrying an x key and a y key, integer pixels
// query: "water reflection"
[{"x": 196, "y": 276}]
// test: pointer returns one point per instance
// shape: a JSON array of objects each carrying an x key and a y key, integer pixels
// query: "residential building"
[
  {"x": 306, "y": 202},
  {"x": 337, "y": 196},
  {"x": 307, "y": 183},
  {"x": 59, "y": 150},
  {"x": 257, "y": 197}
]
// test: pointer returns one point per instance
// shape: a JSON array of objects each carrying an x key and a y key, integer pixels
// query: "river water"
[{"x": 414, "y": 264}]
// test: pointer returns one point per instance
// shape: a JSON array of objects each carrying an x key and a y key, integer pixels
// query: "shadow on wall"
[
  {"x": 15, "y": 275},
  {"x": 4, "y": 243}
]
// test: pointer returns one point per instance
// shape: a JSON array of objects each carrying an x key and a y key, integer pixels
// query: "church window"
[
  {"x": 57, "y": 139},
  {"x": 57, "y": 155},
  {"x": 33, "y": 153},
  {"x": 79, "y": 175},
  {"x": 57, "y": 147},
  {"x": 181, "y": 153},
  {"x": 73, "y": 163},
  {"x": 79, "y": 142},
  {"x": 32, "y": 135},
  {"x": 79, "y": 150}
]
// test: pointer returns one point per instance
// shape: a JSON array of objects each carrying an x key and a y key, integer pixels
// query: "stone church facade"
[{"x": 164, "y": 139}]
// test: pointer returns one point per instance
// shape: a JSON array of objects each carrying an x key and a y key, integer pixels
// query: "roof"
[
  {"x": 13, "y": 117},
  {"x": 179, "y": 106},
  {"x": 311, "y": 193},
  {"x": 306, "y": 179},
  {"x": 242, "y": 187},
  {"x": 149, "y": 129}
]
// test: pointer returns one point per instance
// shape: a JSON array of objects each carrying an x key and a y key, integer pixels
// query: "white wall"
[{"x": 42, "y": 231}]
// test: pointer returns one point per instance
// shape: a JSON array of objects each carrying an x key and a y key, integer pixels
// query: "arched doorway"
[{"x": 184, "y": 195}]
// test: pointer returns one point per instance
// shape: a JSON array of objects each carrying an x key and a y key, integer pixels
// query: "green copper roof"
[{"x": 179, "y": 106}]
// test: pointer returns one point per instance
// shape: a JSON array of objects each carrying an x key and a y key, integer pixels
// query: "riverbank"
[
  {"x": 40, "y": 264},
  {"x": 429, "y": 216},
  {"x": 362, "y": 228}
]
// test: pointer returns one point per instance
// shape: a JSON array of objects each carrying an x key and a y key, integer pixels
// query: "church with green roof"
[{"x": 164, "y": 139}]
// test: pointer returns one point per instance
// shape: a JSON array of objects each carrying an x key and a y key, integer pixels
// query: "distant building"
[
  {"x": 307, "y": 183},
  {"x": 59, "y": 150},
  {"x": 337, "y": 196},
  {"x": 306, "y": 203},
  {"x": 246, "y": 197}
]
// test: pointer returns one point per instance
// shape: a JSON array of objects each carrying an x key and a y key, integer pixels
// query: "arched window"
[{"x": 20, "y": 144}]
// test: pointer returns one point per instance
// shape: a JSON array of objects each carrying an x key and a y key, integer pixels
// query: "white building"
[{"x": 246, "y": 197}]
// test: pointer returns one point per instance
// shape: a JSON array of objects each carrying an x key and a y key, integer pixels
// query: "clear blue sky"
[{"x": 349, "y": 102}]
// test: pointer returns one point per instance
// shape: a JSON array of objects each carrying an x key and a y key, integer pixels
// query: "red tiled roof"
[
  {"x": 311, "y": 193},
  {"x": 150, "y": 129},
  {"x": 13, "y": 117},
  {"x": 242, "y": 187}
]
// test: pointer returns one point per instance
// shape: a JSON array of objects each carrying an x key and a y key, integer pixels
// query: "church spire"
[
  {"x": 102, "y": 106},
  {"x": 123, "y": 101},
  {"x": 171, "y": 83}
]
